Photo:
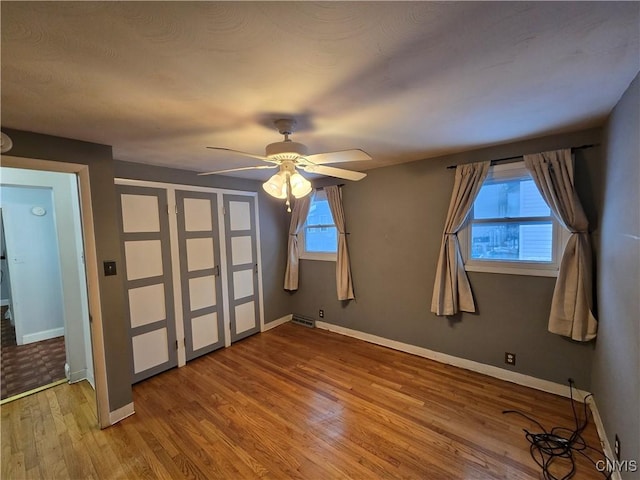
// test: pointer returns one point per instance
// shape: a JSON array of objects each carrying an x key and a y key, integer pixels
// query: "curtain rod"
[
  {"x": 338, "y": 185},
  {"x": 497, "y": 160}
]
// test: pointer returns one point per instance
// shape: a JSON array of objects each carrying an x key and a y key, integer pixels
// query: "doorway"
[{"x": 46, "y": 328}]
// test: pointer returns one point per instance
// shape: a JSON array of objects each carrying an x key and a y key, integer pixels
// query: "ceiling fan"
[{"x": 288, "y": 156}]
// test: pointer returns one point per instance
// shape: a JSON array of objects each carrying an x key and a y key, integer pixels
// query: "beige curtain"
[
  {"x": 298, "y": 217},
  {"x": 343, "y": 268},
  {"x": 451, "y": 291},
  {"x": 572, "y": 304}
]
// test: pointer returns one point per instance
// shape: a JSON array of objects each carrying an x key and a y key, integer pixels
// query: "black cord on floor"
[{"x": 560, "y": 443}]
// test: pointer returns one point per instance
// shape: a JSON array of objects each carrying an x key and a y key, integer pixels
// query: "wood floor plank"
[{"x": 292, "y": 403}]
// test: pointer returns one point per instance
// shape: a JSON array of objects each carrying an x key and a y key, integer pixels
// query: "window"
[
  {"x": 510, "y": 228},
  {"x": 319, "y": 238}
]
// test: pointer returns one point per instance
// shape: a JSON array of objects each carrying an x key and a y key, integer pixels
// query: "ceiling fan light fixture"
[
  {"x": 276, "y": 186},
  {"x": 300, "y": 186}
]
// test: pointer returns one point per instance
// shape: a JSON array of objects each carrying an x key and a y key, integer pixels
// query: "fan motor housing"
[{"x": 286, "y": 150}]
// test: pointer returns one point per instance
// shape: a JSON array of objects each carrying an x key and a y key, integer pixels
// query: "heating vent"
[{"x": 303, "y": 320}]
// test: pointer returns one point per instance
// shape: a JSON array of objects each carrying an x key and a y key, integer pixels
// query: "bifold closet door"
[
  {"x": 198, "y": 239},
  {"x": 242, "y": 265},
  {"x": 144, "y": 228}
]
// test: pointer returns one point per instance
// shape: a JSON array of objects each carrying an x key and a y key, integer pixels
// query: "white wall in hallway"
[{"x": 32, "y": 247}]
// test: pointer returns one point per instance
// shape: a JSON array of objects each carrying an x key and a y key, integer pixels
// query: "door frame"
[
  {"x": 173, "y": 229},
  {"x": 91, "y": 265}
]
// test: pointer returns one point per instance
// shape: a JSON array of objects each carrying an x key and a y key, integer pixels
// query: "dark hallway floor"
[{"x": 25, "y": 367}]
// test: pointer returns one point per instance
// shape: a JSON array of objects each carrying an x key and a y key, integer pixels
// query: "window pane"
[
  {"x": 321, "y": 239},
  {"x": 510, "y": 198},
  {"x": 529, "y": 242},
  {"x": 319, "y": 213}
]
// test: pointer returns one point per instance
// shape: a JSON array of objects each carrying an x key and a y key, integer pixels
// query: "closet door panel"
[
  {"x": 144, "y": 230},
  {"x": 198, "y": 242},
  {"x": 242, "y": 265}
]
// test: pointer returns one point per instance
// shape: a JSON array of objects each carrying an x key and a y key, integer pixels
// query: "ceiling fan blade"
[
  {"x": 334, "y": 172},
  {"x": 246, "y": 154},
  {"x": 258, "y": 167},
  {"x": 355, "y": 155}
]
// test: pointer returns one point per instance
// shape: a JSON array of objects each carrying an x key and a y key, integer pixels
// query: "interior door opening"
[{"x": 45, "y": 316}]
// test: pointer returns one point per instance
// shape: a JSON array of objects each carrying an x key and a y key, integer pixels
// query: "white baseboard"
[
  {"x": 604, "y": 440},
  {"x": 43, "y": 335},
  {"x": 490, "y": 370},
  {"x": 4, "y": 302},
  {"x": 277, "y": 322},
  {"x": 78, "y": 376},
  {"x": 121, "y": 413}
]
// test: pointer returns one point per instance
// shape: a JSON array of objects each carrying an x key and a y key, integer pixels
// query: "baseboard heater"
[{"x": 303, "y": 320}]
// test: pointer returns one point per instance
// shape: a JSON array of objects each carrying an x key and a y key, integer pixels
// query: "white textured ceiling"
[{"x": 404, "y": 81}]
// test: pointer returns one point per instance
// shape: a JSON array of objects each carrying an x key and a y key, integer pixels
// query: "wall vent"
[{"x": 303, "y": 320}]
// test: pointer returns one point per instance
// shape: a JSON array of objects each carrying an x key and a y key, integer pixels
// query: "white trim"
[
  {"x": 121, "y": 413},
  {"x": 182, "y": 186},
  {"x": 276, "y": 323},
  {"x": 504, "y": 268},
  {"x": 490, "y": 370},
  {"x": 43, "y": 335},
  {"x": 318, "y": 256},
  {"x": 259, "y": 261},
  {"x": 78, "y": 376},
  {"x": 604, "y": 440},
  {"x": 4, "y": 302}
]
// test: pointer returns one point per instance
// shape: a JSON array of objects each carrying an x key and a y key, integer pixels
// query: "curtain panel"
[
  {"x": 298, "y": 217},
  {"x": 451, "y": 290},
  {"x": 344, "y": 281},
  {"x": 572, "y": 304}
]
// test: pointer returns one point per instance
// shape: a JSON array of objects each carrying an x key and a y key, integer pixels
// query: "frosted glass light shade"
[
  {"x": 300, "y": 186},
  {"x": 276, "y": 186}
]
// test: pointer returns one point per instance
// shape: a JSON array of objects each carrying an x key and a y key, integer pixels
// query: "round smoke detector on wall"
[
  {"x": 5, "y": 143},
  {"x": 38, "y": 211}
]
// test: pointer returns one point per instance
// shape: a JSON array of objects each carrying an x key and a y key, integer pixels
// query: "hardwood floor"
[{"x": 291, "y": 403}]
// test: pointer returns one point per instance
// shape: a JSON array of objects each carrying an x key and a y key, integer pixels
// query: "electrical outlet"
[
  {"x": 321, "y": 313},
  {"x": 616, "y": 447},
  {"x": 509, "y": 358}
]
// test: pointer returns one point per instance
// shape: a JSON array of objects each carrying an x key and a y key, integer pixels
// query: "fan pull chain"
[{"x": 288, "y": 202}]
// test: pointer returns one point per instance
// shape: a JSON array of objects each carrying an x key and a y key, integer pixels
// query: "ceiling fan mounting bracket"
[{"x": 285, "y": 125}]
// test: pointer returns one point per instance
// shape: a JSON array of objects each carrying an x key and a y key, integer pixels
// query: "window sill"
[
  {"x": 513, "y": 270},
  {"x": 323, "y": 257}
]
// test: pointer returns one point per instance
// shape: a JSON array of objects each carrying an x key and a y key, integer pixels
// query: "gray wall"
[
  {"x": 616, "y": 365},
  {"x": 98, "y": 157},
  {"x": 395, "y": 217},
  {"x": 273, "y": 224}
]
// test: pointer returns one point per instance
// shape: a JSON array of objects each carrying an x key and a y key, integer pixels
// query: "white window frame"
[
  {"x": 322, "y": 256},
  {"x": 514, "y": 267}
]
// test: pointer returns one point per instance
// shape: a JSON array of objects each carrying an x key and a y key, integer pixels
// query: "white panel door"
[
  {"x": 198, "y": 240},
  {"x": 242, "y": 265},
  {"x": 144, "y": 229}
]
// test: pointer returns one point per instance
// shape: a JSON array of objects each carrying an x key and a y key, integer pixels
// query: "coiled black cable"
[{"x": 560, "y": 442}]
